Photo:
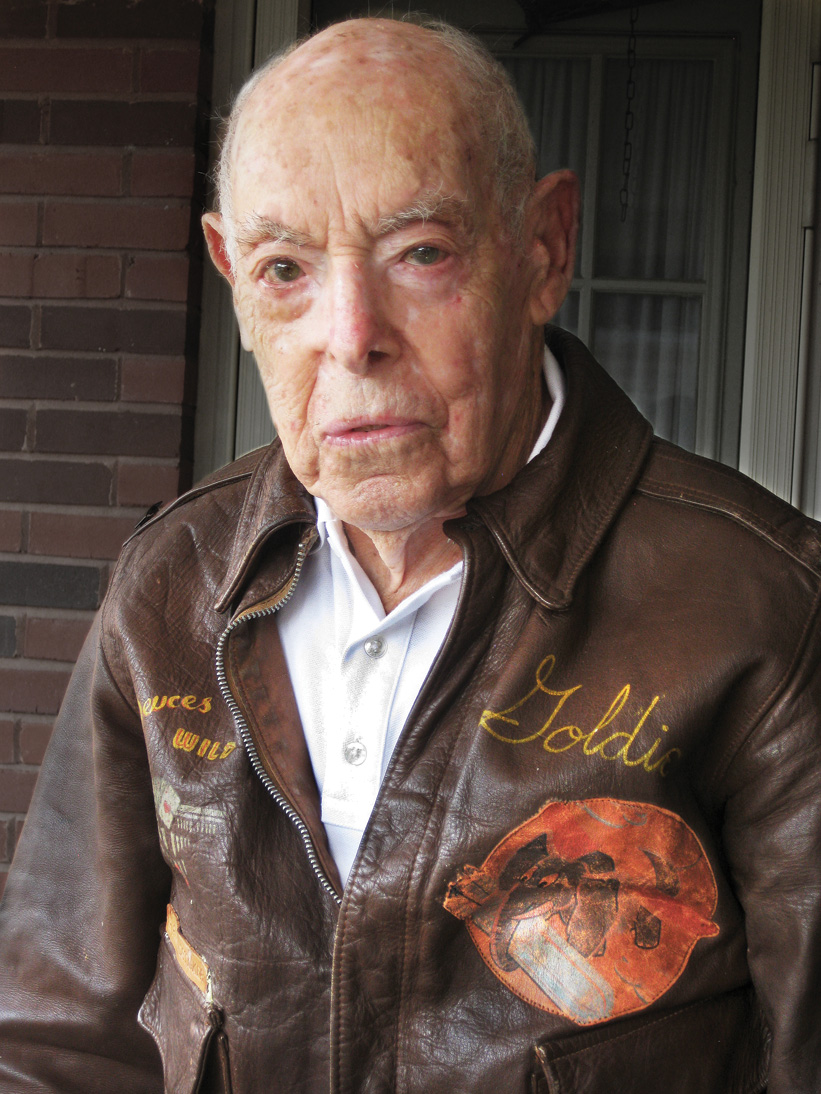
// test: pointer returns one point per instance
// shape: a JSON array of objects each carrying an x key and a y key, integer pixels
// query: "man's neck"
[{"x": 399, "y": 563}]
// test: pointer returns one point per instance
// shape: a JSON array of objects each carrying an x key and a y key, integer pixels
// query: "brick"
[
  {"x": 15, "y": 323},
  {"x": 19, "y": 121},
  {"x": 43, "y": 69},
  {"x": 23, "y": 18},
  {"x": 150, "y": 277},
  {"x": 34, "y": 739},
  {"x": 6, "y": 746},
  {"x": 16, "y": 788},
  {"x": 41, "y": 377},
  {"x": 153, "y": 380},
  {"x": 8, "y": 635},
  {"x": 96, "y": 174},
  {"x": 18, "y": 223},
  {"x": 12, "y": 429},
  {"x": 77, "y": 276},
  {"x": 78, "y": 536},
  {"x": 16, "y": 273},
  {"x": 49, "y": 639},
  {"x": 112, "y": 330},
  {"x": 145, "y": 483},
  {"x": 162, "y": 174},
  {"x": 59, "y": 482},
  {"x": 11, "y": 530},
  {"x": 127, "y": 19},
  {"x": 117, "y": 224},
  {"x": 169, "y": 70},
  {"x": 32, "y": 690},
  {"x": 61, "y": 275},
  {"x": 115, "y": 123},
  {"x": 103, "y": 432},
  {"x": 50, "y": 585}
]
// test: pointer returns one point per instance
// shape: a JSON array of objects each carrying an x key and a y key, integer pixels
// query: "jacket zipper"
[{"x": 242, "y": 726}]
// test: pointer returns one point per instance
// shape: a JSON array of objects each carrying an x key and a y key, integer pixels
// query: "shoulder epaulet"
[
  {"x": 676, "y": 475},
  {"x": 231, "y": 473}
]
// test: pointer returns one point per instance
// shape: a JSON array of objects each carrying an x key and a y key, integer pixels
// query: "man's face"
[{"x": 387, "y": 310}]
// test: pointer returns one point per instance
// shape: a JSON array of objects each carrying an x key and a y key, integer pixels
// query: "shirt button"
[
  {"x": 374, "y": 647},
  {"x": 355, "y": 752}
]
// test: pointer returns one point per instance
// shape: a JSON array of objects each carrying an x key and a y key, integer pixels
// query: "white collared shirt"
[{"x": 356, "y": 671}]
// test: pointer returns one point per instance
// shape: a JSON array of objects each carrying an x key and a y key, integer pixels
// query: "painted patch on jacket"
[
  {"x": 590, "y": 909},
  {"x": 181, "y": 825}
]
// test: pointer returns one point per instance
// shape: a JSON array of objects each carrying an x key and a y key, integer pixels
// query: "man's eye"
[
  {"x": 282, "y": 269},
  {"x": 424, "y": 256}
]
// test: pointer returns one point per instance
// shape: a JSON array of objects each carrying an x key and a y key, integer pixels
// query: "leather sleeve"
[
  {"x": 80, "y": 919},
  {"x": 773, "y": 839}
]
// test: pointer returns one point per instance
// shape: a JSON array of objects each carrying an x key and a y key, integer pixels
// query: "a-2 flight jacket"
[{"x": 593, "y": 864}]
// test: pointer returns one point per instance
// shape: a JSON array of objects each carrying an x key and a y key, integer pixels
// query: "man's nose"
[{"x": 359, "y": 332}]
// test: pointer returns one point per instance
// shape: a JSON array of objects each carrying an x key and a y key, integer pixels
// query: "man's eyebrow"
[
  {"x": 449, "y": 210},
  {"x": 256, "y": 229}
]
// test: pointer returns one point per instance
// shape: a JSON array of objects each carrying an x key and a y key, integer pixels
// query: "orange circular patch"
[{"x": 590, "y": 909}]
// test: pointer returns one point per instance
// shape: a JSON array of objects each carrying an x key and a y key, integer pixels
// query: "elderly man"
[{"x": 466, "y": 739}]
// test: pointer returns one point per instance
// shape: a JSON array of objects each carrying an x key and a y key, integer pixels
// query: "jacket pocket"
[
  {"x": 719, "y": 1046},
  {"x": 187, "y": 1029}
]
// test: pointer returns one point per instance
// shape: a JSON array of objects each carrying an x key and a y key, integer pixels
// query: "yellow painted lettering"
[
  {"x": 157, "y": 703},
  {"x": 189, "y": 741},
  {"x": 205, "y": 705},
  {"x": 215, "y": 749},
  {"x": 145, "y": 706},
  {"x": 623, "y": 751},
  {"x": 229, "y": 748},
  {"x": 574, "y": 737},
  {"x": 173, "y": 701},
  {"x": 542, "y": 675},
  {"x": 661, "y": 765},
  {"x": 206, "y": 744},
  {"x": 189, "y": 701}
]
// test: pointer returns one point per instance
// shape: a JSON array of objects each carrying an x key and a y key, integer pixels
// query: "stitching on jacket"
[
  {"x": 189, "y": 495},
  {"x": 710, "y": 498},
  {"x": 641, "y": 1029},
  {"x": 407, "y": 934}
]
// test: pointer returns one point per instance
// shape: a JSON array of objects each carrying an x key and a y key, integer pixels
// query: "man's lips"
[{"x": 371, "y": 430}]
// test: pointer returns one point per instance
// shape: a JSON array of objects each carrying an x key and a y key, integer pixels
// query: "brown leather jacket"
[{"x": 594, "y": 861}]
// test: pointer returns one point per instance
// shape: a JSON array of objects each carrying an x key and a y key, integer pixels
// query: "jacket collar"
[
  {"x": 275, "y": 499},
  {"x": 550, "y": 519},
  {"x": 547, "y": 522}
]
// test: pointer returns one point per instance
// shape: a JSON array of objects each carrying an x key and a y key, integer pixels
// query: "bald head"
[{"x": 432, "y": 72}]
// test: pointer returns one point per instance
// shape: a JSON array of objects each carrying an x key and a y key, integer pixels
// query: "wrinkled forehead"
[{"x": 364, "y": 96}]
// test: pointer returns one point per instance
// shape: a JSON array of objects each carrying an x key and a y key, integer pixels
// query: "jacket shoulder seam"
[
  {"x": 189, "y": 496},
  {"x": 735, "y": 511}
]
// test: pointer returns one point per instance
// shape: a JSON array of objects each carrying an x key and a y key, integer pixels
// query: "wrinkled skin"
[{"x": 400, "y": 348}]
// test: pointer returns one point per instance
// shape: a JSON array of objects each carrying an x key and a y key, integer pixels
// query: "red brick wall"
[{"x": 103, "y": 110}]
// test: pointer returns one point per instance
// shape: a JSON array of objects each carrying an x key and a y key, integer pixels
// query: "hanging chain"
[{"x": 629, "y": 119}]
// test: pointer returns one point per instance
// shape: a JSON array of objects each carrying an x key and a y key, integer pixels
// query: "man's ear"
[
  {"x": 552, "y": 228},
  {"x": 215, "y": 236}
]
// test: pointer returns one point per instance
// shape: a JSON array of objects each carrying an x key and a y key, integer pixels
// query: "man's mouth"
[{"x": 359, "y": 431}]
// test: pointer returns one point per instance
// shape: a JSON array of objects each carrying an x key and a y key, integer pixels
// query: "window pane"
[
  {"x": 555, "y": 95},
  {"x": 568, "y": 315},
  {"x": 649, "y": 345},
  {"x": 663, "y": 236}
]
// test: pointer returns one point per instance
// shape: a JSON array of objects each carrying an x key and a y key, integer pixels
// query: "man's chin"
[{"x": 389, "y": 503}]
